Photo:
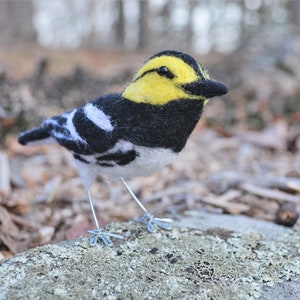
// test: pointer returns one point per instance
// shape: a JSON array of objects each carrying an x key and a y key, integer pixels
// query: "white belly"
[{"x": 147, "y": 162}]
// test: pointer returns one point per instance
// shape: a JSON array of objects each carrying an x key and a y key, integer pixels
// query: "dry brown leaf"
[
  {"x": 9, "y": 232},
  {"x": 275, "y": 136}
]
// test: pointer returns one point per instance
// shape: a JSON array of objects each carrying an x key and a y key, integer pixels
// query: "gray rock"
[{"x": 207, "y": 256}]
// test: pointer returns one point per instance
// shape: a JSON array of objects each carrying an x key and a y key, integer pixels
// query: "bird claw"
[
  {"x": 105, "y": 237},
  {"x": 150, "y": 220}
]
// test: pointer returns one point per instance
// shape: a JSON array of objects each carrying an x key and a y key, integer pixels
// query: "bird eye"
[{"x": 164, "y": 71}]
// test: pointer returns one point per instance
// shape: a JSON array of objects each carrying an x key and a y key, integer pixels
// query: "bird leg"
[
  {"x": 98, "y": 231},
  {"x": 147, "y": 218}
]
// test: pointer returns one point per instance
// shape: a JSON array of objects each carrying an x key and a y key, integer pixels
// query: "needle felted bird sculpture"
[{"x": 136, "y": 132}]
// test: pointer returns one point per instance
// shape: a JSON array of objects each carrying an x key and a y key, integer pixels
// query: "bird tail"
[{"x": 36, "y": 136}]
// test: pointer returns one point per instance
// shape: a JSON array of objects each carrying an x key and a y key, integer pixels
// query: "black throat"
[{"x": 165, "y": 126}]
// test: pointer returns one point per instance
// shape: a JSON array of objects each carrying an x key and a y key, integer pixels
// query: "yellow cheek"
[{"x": 157, "y": 91}]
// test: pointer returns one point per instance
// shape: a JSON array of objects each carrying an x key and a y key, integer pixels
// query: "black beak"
[{"x": 205, "y": 88}]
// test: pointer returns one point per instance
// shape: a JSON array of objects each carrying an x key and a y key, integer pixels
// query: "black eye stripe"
[
  {"x": 184, "y": 57},
  {"x": 162, "y": 71},
  {"x": 145, "y": 73}
]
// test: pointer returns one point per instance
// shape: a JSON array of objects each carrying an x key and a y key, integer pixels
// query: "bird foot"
[
  {"x": 150, "y": 220},
  {"x": 104, "y": 236}
]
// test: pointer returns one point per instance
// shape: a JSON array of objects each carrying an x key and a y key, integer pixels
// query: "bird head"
[{"x": 171, "y": 75}]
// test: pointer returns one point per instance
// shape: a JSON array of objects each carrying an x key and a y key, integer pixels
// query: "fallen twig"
[
  {"x": 4, "y": 174},
  {"x": 269, "y": 193},
  {"x": 225, "y": 203},
  {"x": 283, "y": 183}
]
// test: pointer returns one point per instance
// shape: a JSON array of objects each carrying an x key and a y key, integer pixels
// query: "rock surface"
[{"x": 205, "y": 257}]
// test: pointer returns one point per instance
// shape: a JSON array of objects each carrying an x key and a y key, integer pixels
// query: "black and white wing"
[
  {"x": 88, "y": 132},
  {"x": 85, "y": 130}
]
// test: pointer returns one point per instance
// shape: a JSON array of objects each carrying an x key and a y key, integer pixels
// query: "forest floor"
[{"x": 243, "y": 157}]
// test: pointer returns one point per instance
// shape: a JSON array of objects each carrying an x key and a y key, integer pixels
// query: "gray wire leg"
[
  {"x": 98, "y": 231},
  {"x": 147, "y": 218}
]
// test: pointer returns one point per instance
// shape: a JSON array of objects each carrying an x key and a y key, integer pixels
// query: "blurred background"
[
  {"x": 56, "y": 55},
  {"x": 252, "y": 45},
  {"x": 200, "y": 26}
]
